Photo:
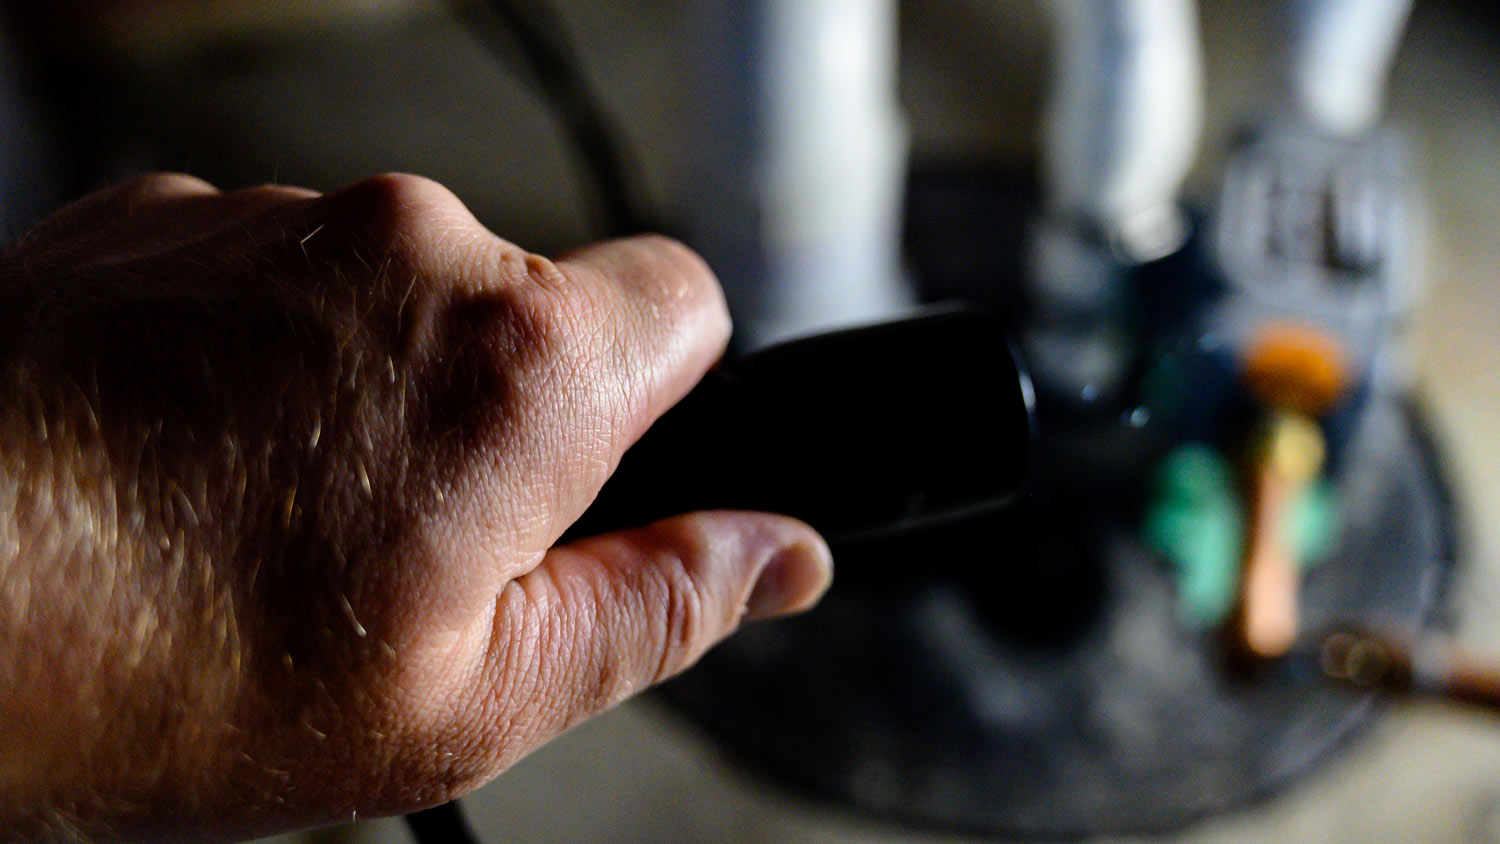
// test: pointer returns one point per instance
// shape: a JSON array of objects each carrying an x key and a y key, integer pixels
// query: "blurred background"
[{"x": 1179, "y": 208}]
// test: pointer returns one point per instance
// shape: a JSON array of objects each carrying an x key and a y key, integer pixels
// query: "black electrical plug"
[{"x": 862, "y": 433}]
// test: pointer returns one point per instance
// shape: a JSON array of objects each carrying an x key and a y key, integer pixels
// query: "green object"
[
  {"x": 1314, "y": 517},
  {"x": 1197, "y": 521}
]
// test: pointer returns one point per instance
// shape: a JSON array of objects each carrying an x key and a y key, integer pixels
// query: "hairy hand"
[{"x": 280, "y": 477}]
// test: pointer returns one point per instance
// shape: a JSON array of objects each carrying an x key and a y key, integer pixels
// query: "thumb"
[{"x": 606, "y": 617}]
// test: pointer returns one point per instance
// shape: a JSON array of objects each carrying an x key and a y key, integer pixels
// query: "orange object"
[
  {"x": 1297, "y": 372},
  {"x": 1297, "y": 367},
  {"x": 1286, "y": 456}
]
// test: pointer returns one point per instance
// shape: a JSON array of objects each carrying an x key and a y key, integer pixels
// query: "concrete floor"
[{"x": 322, "y": 111}]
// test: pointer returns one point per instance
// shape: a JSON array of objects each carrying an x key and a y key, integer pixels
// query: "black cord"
[
  {"x": 540, "y": 38},
  {"x": 443, "y": 824}
]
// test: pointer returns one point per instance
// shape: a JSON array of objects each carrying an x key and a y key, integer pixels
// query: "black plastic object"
[
  {"x": 862, "y": 433},
  {"x": 442, "y": 824}
]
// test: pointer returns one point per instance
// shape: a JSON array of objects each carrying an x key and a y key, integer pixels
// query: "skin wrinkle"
[
  {"x": 686, "y": 619},
  {"x": 516, "y": 661}
]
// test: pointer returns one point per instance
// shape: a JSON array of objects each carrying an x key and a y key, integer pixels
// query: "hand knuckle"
[
  {"x": 395, "y": 208},
  {"x": 399, "y": 190},
  {"x": 165, "y": 184}
]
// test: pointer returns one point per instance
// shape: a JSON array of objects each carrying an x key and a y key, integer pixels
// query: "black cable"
[
  {"x": 443, "y": 824},
  {"x": 540, "y": 38}
]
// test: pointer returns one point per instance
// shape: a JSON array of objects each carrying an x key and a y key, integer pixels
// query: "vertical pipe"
[
  {"x": 1119, "y": 135},
  {"x": 1339, "y": 59},
  {"x": 799, "y": 208},
  {"x": 1124, "y": 116}
]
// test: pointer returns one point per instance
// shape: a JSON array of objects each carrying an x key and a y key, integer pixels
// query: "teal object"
[
  {"x": 1197, "y": 521},
  {"x": 1314, "y": 520}
]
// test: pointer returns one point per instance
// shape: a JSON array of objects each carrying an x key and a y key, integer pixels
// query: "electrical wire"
[{"x": 538, "y": 38}]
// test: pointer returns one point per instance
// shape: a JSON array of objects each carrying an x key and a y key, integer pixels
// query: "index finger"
[{"x": 592, "y": 349}]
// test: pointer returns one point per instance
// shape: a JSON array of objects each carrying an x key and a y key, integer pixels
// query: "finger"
[
  {"x": 171, "y": 222},
  {"x": 680, "y": 320},
  {"x": 240, "y": 205},
  {"x": 593, "y": 349},
  {"x": 605, "y": 618},
  {"x": 156, "y": 212},
  {"x": 110, "y": 206}
]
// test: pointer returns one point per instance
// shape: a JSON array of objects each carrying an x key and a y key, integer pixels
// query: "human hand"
[{"x": 280, "y": 477}]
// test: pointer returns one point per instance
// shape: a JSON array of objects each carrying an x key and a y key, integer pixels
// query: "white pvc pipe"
[
  {"x": 1340, "y": 58},
  {"x": 1124, "y": 117},
  {"x": 819, "y": 145}
]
